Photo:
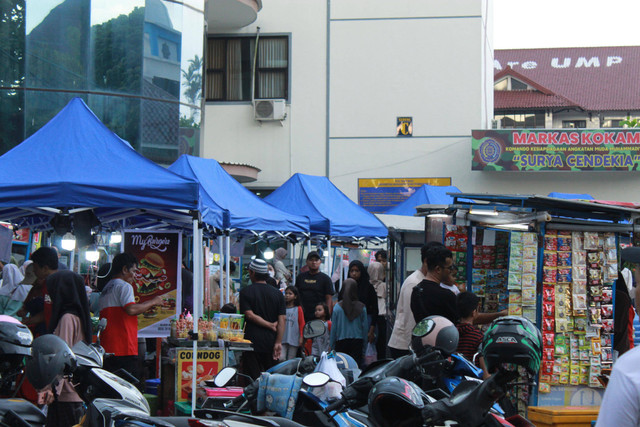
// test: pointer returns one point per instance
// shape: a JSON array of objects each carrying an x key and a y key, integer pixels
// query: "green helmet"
[{"x": 512, "y": 339}]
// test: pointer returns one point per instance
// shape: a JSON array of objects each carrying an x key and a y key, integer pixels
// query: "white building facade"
[{"x": 349, "y": 71}]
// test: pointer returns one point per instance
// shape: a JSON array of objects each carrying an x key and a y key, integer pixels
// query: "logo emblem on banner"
[{"x": 490, "y": 151}]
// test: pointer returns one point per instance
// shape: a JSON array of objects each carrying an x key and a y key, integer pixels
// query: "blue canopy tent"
[
  {"x": 571, "y": 196},
  {"x": 331, "y": 213},
  {"x": 244, "y": 210},
  {"x": 76, "y": 162},
  {"x": 425, "y": 195}
]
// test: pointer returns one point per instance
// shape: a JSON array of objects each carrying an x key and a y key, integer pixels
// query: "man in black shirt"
[
  {"x": 314, "y": 287},
  {"x": 428, "y": 297},
  {"x": 265, "y": 314}
]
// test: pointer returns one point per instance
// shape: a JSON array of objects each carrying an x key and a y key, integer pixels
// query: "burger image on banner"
[
  {"x": 152, "y": 276},
  {"x": 158, "y": 255}
]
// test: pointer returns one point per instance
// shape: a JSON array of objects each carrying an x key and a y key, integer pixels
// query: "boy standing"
[{"x": 470, "y": 336}]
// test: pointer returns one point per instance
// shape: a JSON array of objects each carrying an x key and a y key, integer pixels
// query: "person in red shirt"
[
  {"x": 470, "y": 336},
  {"x": 118, "y": 306},
  {"x": 45, "y": 263}
]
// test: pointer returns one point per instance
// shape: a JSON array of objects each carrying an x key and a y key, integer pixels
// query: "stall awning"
[{"x": 555, "y": 206}]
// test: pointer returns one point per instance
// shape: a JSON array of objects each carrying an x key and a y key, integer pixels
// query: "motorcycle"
[
  {"x": 15, "y": 347},
  {"x": 111, "y": 400},
  {"x": 391, "y": 401}
]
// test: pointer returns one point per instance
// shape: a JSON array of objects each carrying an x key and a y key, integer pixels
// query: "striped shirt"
[{"x": 469, "y": 341}]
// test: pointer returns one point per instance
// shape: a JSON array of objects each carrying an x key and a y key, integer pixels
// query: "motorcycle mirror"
[
  {"x": 423, "y": 327},
  {"x": 224, "y": 376},
  {"x": 316, "y": 379},
  {"x": 313, "y": 329}
]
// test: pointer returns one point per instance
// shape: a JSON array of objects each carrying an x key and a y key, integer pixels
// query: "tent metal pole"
[
  {"x": 341, "y": 270},
  {"x": 329, "y": 258},
  {"x": 221, "y": 277},
  {"x": 295, "y": 262},
  {"x": 228, "y": 260},
  {"x": 197, "y": 247},
  {"x": 308, "y": 246}
]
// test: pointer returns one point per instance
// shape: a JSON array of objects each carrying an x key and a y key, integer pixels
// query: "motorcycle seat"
[{"x": 282, "y": 422}]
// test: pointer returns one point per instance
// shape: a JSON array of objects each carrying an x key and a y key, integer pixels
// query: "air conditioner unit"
[{"x": 269, "y": 109}]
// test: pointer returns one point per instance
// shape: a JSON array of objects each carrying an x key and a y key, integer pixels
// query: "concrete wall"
[{"x": 425, "y": 61}]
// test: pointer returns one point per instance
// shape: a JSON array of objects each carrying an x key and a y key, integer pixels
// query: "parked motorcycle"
[
  {"x": 393, "y": 401},
  {"x": 15, "y": 348}
]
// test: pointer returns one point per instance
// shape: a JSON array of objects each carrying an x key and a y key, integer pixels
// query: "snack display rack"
[{"x": 560, "y": 273}]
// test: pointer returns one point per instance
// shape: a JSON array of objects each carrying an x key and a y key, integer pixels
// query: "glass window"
[
  {"x": 230, "y": 62},
  {"x": 609, "y": 122},
  {"x": 570, "y": 124},
  {"x": 137, "y": 64},
  {"x": 518, "y": 85},
  {"x": 521, "y": 120}
]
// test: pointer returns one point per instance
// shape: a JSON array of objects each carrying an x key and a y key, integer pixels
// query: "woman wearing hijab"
[
  {"x": 70, "y": 320},
  {"x": 282, "y": 272},
  {"x": 349, "y": 323},
  {"x": 13, "y": 291},
  {"x": 366, "y": 294},
  {"x": 376, "y": 276}
]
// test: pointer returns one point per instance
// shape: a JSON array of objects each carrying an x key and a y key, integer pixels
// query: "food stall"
[{"x": 555, "y": 262}]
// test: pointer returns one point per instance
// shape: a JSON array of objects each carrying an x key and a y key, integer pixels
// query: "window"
[
  {"x": 520, "y": 120},
  {"x": 229, "y": 65},
  {"x": 610, "y": 122},
  {"x": 574, "y": 124},
  {"x": 510, "y": 83}
]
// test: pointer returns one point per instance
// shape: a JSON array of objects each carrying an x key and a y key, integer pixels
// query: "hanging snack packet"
[
  {"x": 591, "y": 240},
  {"x": 579, "y": 257},
  {"x": 564, "y": 243}
]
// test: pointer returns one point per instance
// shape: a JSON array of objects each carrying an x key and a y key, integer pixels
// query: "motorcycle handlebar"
[
  {"x": 337, "y": 405},
  {"x": 236, "y": 400}
]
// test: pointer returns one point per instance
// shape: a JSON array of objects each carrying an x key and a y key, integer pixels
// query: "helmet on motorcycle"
[
  {"x": 15, "y": 345},
  {"x": 434, "y": 332},
  {"x": 15, "y": 338},
  {"x": 394, "y": 401},
  {"x": 51, "y": 358},
  {"x": 512, "y": 339}
]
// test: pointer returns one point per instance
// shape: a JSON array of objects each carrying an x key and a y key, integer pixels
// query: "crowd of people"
[
  {"x": 352, "y": 304},
  {"x": 50, "y": 298}
]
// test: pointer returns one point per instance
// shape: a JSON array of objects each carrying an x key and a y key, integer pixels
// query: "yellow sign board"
[{"x": 378, "y": 195}]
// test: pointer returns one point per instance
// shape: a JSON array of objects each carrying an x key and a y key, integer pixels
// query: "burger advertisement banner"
[{"x": 158, "y": 255}]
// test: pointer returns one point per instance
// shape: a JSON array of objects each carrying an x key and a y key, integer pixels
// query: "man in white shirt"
[
  {"x": 404, "y": 323},
  {"x": 620, "y": 405}
]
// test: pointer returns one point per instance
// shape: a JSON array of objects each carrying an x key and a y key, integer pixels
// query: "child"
[
  {"x": 321, "y": 343},
  {"x": 349, "y": 323},
  {"x": 470, "y": 336},
  {"x": 292, "y": 338}
]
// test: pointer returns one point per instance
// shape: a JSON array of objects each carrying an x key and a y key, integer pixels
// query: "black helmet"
[
  {"x": 512, "y": 339},
  {"x": 434, "y": 332},
  {"x": 394, "y": 401},
  {"x": 15, "y": 338},
  {"x": 15, "y": 345},
  {"x": 51, "y": 359}
]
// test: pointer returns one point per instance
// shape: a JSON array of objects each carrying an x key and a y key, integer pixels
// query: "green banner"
[{"x": 555, "y": 150}]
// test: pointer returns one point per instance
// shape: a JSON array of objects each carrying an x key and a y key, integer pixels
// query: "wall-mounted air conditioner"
[{"x": 269, "y": 109}]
